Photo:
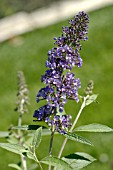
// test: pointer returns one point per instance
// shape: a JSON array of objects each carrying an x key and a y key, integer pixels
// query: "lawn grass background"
[{"x": 30, "y": 57}]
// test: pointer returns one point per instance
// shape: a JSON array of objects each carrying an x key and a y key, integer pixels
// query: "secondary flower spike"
[{"x": 60, "y": 83}]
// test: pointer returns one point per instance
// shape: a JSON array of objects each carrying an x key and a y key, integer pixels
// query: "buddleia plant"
[{"x": 60, "y": 85}]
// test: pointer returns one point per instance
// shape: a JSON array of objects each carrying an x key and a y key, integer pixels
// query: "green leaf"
[
  {"x": 12, "y": 139},
  {"x": 59, "y": 163},
  {"x": 77, "y": 138},
  {"x": 31, "y": 155},
  {"x": 91, "y": 99},
  {"x": 94, "y": 128},
  {"x": 16, "y": 148},
  {"x": 4, "y": 134},
  {"x": 23, "y": 127},
  {"x": 33, "y": 166},
  {"x": 37, "y": 138},
  {"x": 15, "y": 166},
  {"x": 78, "y": 160},
  {"x": 46, "y": 132},
  {"x": 30, "y": 127},
  {"x": 74, "y": 161}
]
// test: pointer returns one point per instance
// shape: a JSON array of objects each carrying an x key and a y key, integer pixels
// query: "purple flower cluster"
[
  {"x": 61, "y": 123},
  {"x": 61, "y": 86},
  {"x": 76, "y": 32},
  {"x": 64, "y": 57}
]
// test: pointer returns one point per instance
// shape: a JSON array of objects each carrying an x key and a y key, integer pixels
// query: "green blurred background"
[{"x": 29, "y": 53}]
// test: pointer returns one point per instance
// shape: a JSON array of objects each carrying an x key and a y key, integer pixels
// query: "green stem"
[
  {"x": 19, "y": 124},
  {"x": 50, "y": 148},
  {"x": 40, "y": 165},
  {"x": 79, "y": 113},
  {"x": 49, "y": 167},
  {"x": 38, "y": 161},
  {"x": 51, "y": 143},
  {"x": 23, "y": 158},
  {"x": 74, "y": 123}
]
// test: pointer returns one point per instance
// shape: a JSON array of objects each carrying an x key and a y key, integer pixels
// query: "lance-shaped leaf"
[
  {"x": 78, "y": 160},
  {"x": 30, "y": 127},
  {"x": 37, "y": 138},
  {"x": 46, "y": 132},
  {"x": 94, "y": 128},
  {"x": 91, "y": 99},
  {"x": 31, "y": 155},
  {"x": 12, "y": 139},
  {"x": 16, "y": 148},
  {"x": 26, "y": 127},
  {"x": 59, "y": 163},
  {"x": 77, "y": 138},
  {"x": 33, "y": 166},
  {"x": 3, "y": 134},
  {"x": 15, "y": 166}
]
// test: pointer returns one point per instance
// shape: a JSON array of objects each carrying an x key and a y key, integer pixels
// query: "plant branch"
[
  {"x": 23, "y": 158},
  {"x": 38, "y": 161},
  {"x": 74, "y": 123},
  {"x": 50, "y": 148},
  {"x": 51, "y": 143},
  {"x": 79, "y": 113}
]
